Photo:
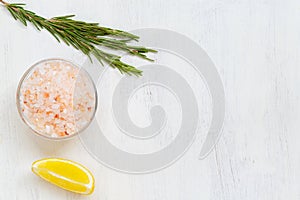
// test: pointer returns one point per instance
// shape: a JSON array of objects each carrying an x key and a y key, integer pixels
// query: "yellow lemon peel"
[{"x": 65, "y": 174}]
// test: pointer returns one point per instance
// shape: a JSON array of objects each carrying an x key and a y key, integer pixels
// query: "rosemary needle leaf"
[{"x": 85, "y": 37}]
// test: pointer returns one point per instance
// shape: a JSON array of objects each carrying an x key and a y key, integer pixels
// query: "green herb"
[{"x": 85, "y": 37}]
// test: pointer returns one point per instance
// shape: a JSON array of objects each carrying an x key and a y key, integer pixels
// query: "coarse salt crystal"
[
  {"x": 48, "y": 129},
  {"x": 55, "y": 104}
]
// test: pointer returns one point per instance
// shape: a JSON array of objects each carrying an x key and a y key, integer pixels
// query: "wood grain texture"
[{"x": 255, "y": 46}]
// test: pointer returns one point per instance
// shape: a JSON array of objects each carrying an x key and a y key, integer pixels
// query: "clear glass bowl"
[{"x": 82, "y": 80}]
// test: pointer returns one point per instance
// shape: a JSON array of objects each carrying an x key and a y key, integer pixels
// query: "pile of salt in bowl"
[{"x": 56, "y": 98}]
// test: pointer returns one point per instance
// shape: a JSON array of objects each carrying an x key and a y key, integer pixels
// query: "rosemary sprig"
[{"x": 85, "y": 37}]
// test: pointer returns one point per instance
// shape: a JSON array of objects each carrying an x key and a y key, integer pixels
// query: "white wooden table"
[{"x": 255, "y": 46}]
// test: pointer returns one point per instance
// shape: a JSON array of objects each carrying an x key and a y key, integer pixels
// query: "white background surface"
[{"x": 255, "y": 46}]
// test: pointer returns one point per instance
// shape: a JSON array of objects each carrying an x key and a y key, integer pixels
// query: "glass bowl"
[{"x": 56, "y": 99}]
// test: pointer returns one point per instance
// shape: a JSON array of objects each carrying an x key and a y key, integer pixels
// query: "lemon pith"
[{"x": 66, "y": 174}]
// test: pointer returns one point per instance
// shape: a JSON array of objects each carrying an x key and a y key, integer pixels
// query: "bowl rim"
[{"x": 27, "y": 72}]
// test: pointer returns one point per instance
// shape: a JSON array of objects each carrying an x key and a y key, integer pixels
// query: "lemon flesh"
[{"x": 66, "y": 174}]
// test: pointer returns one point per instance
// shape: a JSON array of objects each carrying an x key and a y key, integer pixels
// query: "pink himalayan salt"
[{"x": 57, "y": 99}]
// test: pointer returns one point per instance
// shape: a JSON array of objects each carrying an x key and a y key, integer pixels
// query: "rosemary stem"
[
  {"x": 3, "y": 2},
  {"x": 84, "y": 36}
]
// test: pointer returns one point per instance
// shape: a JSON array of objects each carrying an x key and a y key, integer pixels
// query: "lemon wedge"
[{"x": 66, "y": 174}]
